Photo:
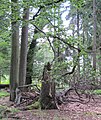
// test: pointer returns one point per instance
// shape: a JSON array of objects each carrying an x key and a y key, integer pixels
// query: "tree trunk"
[
  {"x": 78, "y": 43},
  {"x": 14, "y": 70},
  {"x": 100, "y": 65},
  {"x": 30, "y": 57},
  {"x": 94, "y": 36},
  {"x": 84, "y": 63},
  {"x": 47, "y": 98},
  {"x": 23, "y": 51},
  {"x": 74, "y": 52}
]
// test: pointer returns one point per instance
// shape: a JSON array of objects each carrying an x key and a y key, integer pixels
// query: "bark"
[
  {"x": 78, "y": 43},
  {"x": 100, "y": 65},
  {"x": 99, "y": 60},
  {"x": 47, "y": 98},
  {"x": 73, "y": 33},
  {"x": 94, "y": 37},
  {"x": 14, "y": 70},
  {"x": 84, "y": 63},
  {"x": 23, "y": 51},
  {"x": 30, "y": 58}
]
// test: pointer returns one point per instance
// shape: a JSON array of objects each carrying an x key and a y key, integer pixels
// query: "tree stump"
[{"x": 47, "y": 97}]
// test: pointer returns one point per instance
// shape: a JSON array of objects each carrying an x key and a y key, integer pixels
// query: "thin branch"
[
  {"x": 51, "y": 46},
  {"x": 37, "y": 13},
  {"x": 46, "y": 37},
  {"x": 79, "y": 50},
  {"x": 51, "y": 3},
  {"x": 66, "y": 43},
  {"x": 39, "y": 29},
  {"x": 29, "y": 85},
  {"x": 42, "y": 6},
  {"x": 68, "y": 73},
  {"x": 52, "y": 24}
]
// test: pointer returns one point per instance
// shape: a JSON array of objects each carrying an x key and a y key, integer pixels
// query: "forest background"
[{"x": 34, "y": 35}]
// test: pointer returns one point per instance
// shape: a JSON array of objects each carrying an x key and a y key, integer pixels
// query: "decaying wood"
[
  {"x": 73, "y": 95},
  {"x": 28, "y": 87},
  {"x": 47, "y": 96},
  {"x": 25, "y": 96}
]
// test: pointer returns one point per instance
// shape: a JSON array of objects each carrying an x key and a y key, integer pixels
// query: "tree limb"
[
  {"x": 37, "y": 13},
  {"x": 51, "y": 46},
  {"x": 42, "y": 6},
  {"x": 79, "y": 50},
  {"x": 68, "y": 73},
  {"x": 66, "y": 43},
  {"x": 51, "y": 3},
  {"x": 46, "y": 36}
]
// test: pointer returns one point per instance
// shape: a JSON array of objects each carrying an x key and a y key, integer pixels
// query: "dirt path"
[{"x": 70, "y": 111}]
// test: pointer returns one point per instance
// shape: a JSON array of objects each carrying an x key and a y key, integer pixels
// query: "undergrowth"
[{"x": 3, "y": 93}]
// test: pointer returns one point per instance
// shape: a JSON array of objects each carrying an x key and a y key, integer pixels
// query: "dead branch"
[
  {"x": 22, "y": 97},
  {"x": 29, "y": 86},
  {"x": 74, "y": 95}
]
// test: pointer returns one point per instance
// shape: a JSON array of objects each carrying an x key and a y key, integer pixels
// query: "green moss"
[
  {"x": 97, "y": 92},
  {"x": 3, "y": 93},
  {"x": 35, "y": 105},
  {"x": 13, "y": 110}
]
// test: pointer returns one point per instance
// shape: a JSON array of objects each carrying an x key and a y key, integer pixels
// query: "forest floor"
[{"x": 70, "y": 111}]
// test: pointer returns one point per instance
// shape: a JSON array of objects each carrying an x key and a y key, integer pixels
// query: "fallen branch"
[{"x": 29, "y": 85}]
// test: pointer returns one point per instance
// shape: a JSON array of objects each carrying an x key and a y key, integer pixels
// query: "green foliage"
[
  {"x": 43, "y": 55},
  {"x": 3, "y": 93},
  {"x": 49, "y": 20},
  {"x": 77, "y": 3},
  {"x": 4, "y": 79},
  {"x": 4, "y": 37},
  {"x": 97, "y": 92}
]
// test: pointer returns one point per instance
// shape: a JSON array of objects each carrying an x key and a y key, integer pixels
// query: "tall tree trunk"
[
  {"x": 23, "y": 51},
  {"x": 30, "y": 57},
  {"x": 74, "y": 75},
  {"x": 100, "y": 64},
  {"x": 78, "y": 19},
  {"x": 15, "y": 53},
  {"x": 94, "y": 35},
  {"x": 84, "y": 65}
]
